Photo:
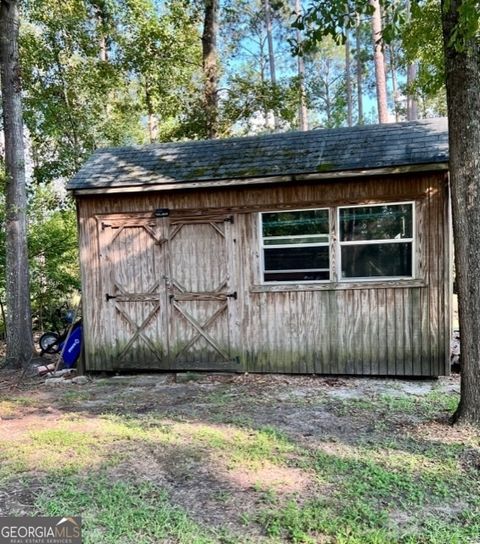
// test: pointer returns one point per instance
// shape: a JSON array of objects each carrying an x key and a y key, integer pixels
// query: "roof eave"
[{"x": 239, "y": 182}]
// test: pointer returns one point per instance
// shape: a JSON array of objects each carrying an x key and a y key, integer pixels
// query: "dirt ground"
[{"x": 236, "y": 453}]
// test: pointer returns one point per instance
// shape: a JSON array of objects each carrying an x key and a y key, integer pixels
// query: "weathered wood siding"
[{"x": 396, "y": 328}]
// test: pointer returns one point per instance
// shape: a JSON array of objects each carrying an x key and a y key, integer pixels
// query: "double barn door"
[{"x": 168, "y": 297}]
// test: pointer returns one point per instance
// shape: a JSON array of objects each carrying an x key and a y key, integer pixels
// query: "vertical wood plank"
[{"x": 342, "y": 331}]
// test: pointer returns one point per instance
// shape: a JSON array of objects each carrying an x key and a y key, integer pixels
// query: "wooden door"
[
  {"x": 199, "y": 294},
  {"x": 133, "y": 252}
]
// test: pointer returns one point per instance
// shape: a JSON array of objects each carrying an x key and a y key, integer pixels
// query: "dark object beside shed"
[{"x": 318, "y": 252}]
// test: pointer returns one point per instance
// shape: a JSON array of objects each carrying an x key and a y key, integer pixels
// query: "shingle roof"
[{"x": 328, "y": 150}]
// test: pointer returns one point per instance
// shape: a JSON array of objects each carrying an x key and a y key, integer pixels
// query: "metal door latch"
[
  {"x": 232, "y": 295},
  {"x": 109, "y": 297}
]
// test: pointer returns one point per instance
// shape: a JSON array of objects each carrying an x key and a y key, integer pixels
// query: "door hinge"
[
  {"x": 109, "y": 297},
  {"x": 232, "y": 295},
  {"x": 229, "y": 219}
]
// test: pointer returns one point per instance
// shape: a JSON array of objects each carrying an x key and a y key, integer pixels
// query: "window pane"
[
  {"x": 295, "y": 223},
  {"x": 322, "y": 239},
  {"x": 393, "y": 221},
  {"x": 377, "y": 260},
  {"x": 296, "y": 258},
  {"x": 297, "y": 276}
]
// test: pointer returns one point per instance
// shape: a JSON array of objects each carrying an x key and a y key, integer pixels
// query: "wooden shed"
[{"x": 307, "y": 252}]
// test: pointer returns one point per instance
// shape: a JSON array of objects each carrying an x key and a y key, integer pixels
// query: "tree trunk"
[
  {"x": 4, "y": 319},
  {"x": 348, "y": 80},
  {"x": 271, "y": 53},
  {"x": 328, "y": 103},
  {"x": 264, "y": 100},
  {"x": 101, "y": 17},
  {"x": 359, "y": 70},
  {"x": 393, "y": 74},
  {"x": 379, "y": 58},
  {"x": 412, "y": 108},
  {"x": 302, "y": 106},
  {"x": 102, "y": 44},
  {"x": 151, "y": 117},
  {"x": 462, "y": 67},
  {"x": 19, "y": 322},
  {"x": 210, "y": 66}
]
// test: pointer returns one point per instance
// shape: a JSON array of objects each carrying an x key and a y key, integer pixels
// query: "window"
[
  {"x": 295, "y": 246},
  {"x": 372, "y": 242},
  {"x": 376, "y": 241}
]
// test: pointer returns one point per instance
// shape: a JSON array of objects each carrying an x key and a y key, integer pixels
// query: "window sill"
[{"x": 338, "y": 286}]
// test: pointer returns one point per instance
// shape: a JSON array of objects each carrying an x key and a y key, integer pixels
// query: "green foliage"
[
  {"x": 468, "y": 24},
  {"x": 53, "y": 258},
  {"x": 250, "y": 101},
  {"x": 52, "y": 243},
  {"x": 161, "y": 51},
  {"x": 325, "y": 82},
  {"x": 66, "y": 85},
  {"x": 423, "y": 43},
  {"x": 420, "y": 34},
  {"x": 93, "y": 72}
]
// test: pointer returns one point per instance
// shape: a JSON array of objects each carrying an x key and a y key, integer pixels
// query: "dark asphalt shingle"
[{"x": 328, "y": 150}]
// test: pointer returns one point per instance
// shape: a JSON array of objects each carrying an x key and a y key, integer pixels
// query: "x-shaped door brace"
[
  {"x": 201, "y": 332},
  {"x": 148, "y": 228},
  {"x": 177, "y": 227},
  {"x": 138, "y": 329}
]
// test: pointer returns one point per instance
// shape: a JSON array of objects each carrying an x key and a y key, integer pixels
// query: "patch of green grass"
[
  {"x": 219, "y": 398},
  {"x": 122, "y": 512},
  {"x": 73, "y": 396},
  {"x": 51, "y": 450},
  {"x": 360, "y": 522},
  {"x": 189, "y": 377},
  {"x": 434, "y": 404},
  {"x": 369, "y": 484},
  {"x": 236, "y": 420},
  {"x": 74, "y": 444},
  {"x": 462, "y": 528},
  {"x": 246, "y": 447},
  {"x": 428, "y": 406},
  {"x": 316, "y": 520},
  {"x": 10, "y": 405}
]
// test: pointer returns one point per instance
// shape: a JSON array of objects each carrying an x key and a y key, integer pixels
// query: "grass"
[
  {"x": 122, "y": 512},
  {"x": 248, "y": 448},
  {"x": 426, "y": 406},
  {"x": 10, "y": 405},
  {"x": 74, "y": 444},
  {"x": 375, "y": 481},
  {"x": 394, "y": 475},
  {"x": 370, "y": 488}
]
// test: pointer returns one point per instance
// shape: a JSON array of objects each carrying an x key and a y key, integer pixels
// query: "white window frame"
[
  {"x": 335, "y": 244},
  {"x": 411, "y": 240},
  {"x": 272, "y": 246}
]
